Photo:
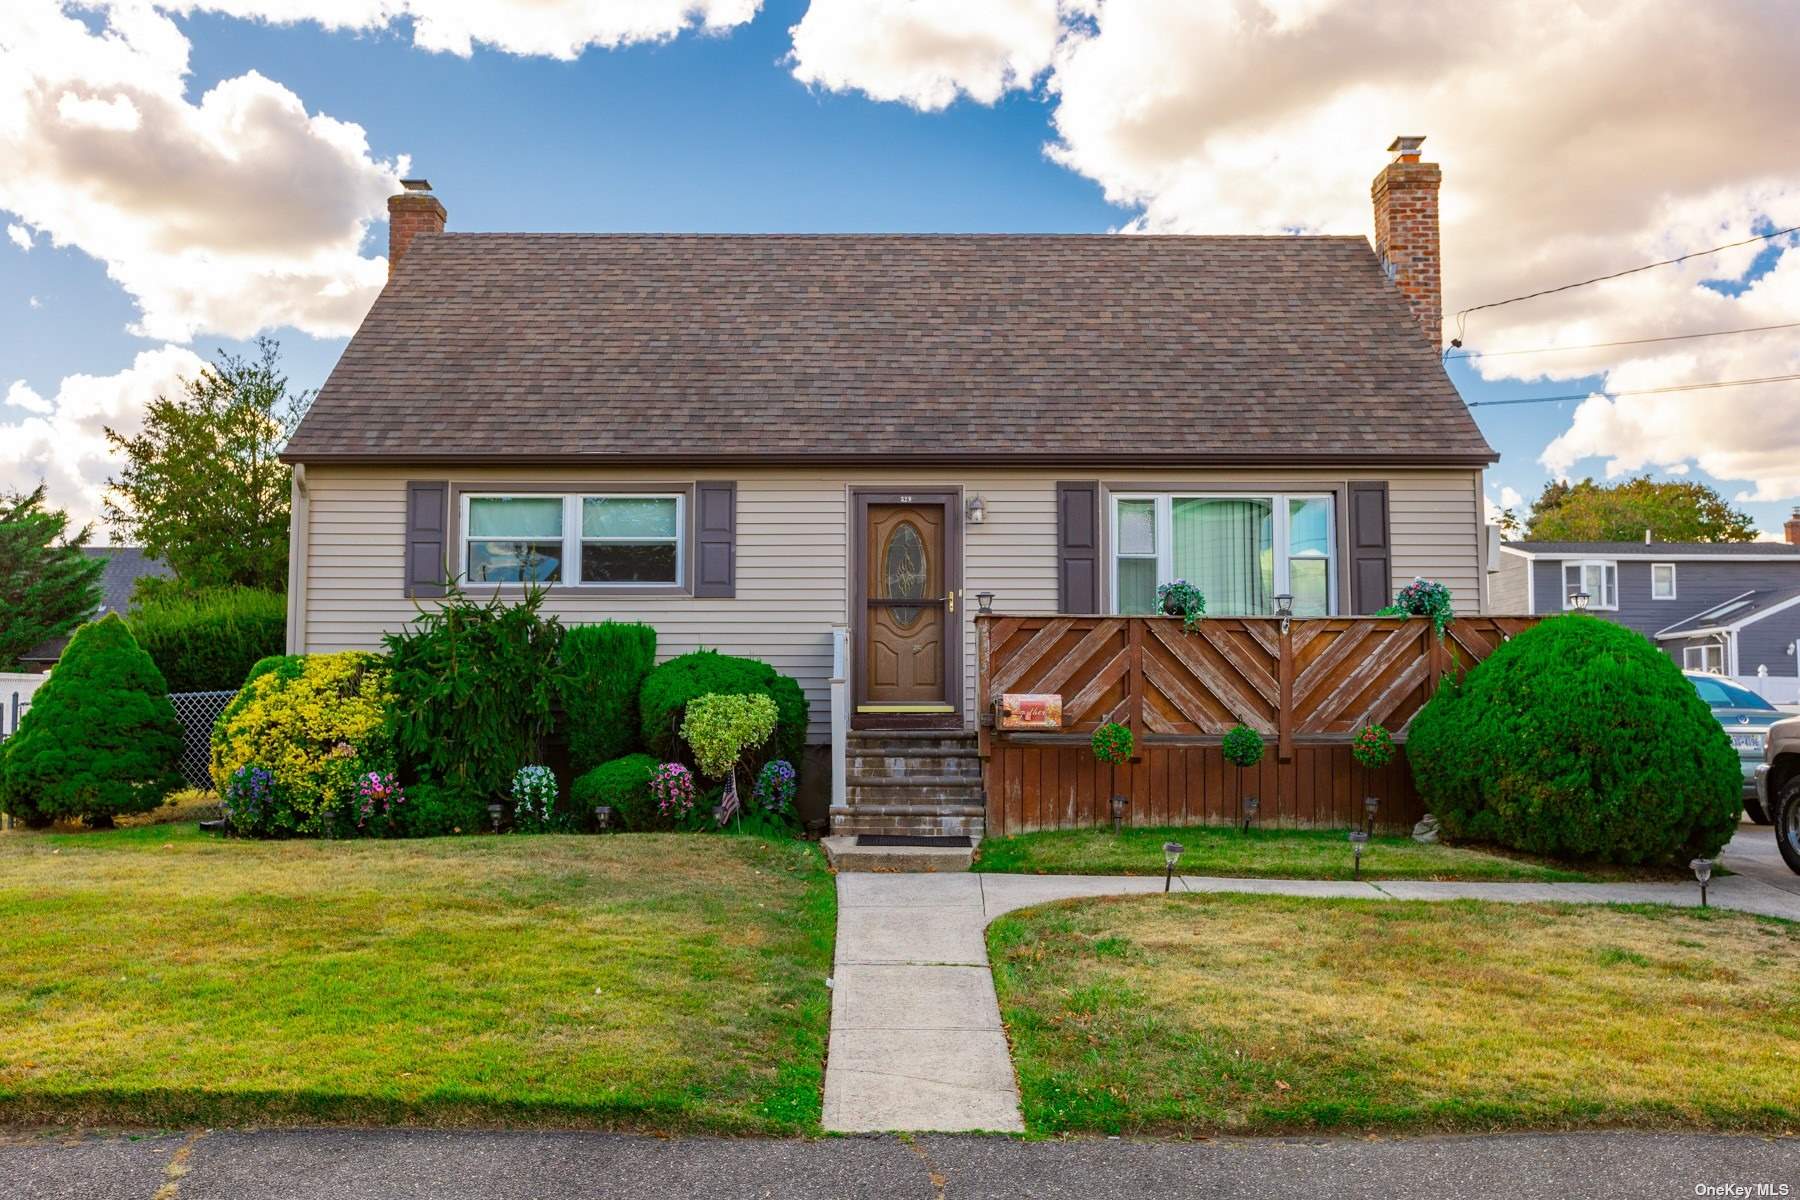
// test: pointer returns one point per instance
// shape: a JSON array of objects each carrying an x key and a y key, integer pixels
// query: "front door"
[{"x": 908, "y": 636}]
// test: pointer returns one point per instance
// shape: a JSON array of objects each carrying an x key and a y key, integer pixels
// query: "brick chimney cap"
[
  {"x": 416, "y": 185},
  {"x": 1407, "y": 146}
]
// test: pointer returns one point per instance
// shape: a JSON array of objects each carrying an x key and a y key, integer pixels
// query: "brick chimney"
[
  {"x": 411, "y": 213},
  {"x": 1791, "y": 531},
  {"x": 1406, "y": 232}
]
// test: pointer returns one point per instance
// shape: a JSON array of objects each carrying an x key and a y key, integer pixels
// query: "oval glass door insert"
[{"x": 903, "y": 572}]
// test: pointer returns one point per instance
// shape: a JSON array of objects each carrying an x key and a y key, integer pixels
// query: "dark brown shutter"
[
  {"x": 1371, "y": 549},
  {"x": 1078, "y": 548},
  {"x": 715, "y": 537},
  {"x": 427, "y": 538}
]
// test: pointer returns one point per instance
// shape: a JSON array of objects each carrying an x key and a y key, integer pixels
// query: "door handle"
[{"x": 951, "y": 601}]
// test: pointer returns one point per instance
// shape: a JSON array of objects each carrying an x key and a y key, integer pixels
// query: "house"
[
  {"x": 1728, "y": 607},
  {"x": 125, "y": 565},
  {"x": 755, "y": 441}
]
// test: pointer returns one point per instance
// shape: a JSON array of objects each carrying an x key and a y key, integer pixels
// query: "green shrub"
[
  {"x": 207, "y": 641},
  {"x": 315, "y": 722},
  {"x": 1242, "y": 746},
  {"x": 719, "y": 730},
  {"x": 1578, "y": 739},
  {"x": 474, "y": 689},
  {"x": 604, "y": 668},
  {"x": 100, "y": 739},
  {"x": 666, "y": 694},
  {"x": 624, "y": 785},
  {"x": 434, "y": 811}
]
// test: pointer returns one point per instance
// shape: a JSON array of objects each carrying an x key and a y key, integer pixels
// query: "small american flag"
[{"x": 728, "y": 806}]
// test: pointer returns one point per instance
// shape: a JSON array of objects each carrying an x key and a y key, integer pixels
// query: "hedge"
[
  {"x": 1578, "y": 739},
  {"x": 206, "y": 641},
  {"x": 624, "y": 785},
  {"x": 604, "y": 666},
  {"x": 664, "y": 699}
]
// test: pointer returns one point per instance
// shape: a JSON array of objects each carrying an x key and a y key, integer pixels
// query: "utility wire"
[
  {"x": 1462, "y": 315},
  {"x": 1671, "y": 337},
  {"x": 1679, "y": 387}
]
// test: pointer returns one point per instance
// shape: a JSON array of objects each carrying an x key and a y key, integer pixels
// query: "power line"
[
  {"x": 1671, "y": 337},
  {"x": 1462, "y": 314},
  {"x": 1679, "y": 387}
]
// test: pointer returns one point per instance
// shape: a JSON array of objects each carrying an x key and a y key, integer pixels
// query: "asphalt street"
[{"x": 416, "y": 1165}]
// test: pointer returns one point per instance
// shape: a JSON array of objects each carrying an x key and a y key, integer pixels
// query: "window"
[
  {"x": 1600, "y": 580},
  {"x": 1240, "y": 551},
  {"x": 625, "y": 540},
  {"x": 1662, "y": 581},
  {"x": 1708, "y": 656}
]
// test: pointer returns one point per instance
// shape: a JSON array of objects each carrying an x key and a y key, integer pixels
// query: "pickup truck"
[{"x": 1778, "y": 787}]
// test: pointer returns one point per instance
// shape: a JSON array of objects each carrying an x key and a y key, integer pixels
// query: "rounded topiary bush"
[
  {"x": 100, "y": 739},
  {"x": 666, "y": 693},
  {"x": 1578, "y": 739}
]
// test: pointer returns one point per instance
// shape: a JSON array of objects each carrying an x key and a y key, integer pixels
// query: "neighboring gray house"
[
  {"x": 1723, "y": 607},
  {"x": 125, "y": 565}
]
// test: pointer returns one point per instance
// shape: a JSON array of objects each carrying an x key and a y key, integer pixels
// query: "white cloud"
[
  {"x": 233, "y": 213},
  {"x": 925, "y": 52},
  {"x": 553, "y": 28},
  {"x": 1510, "y": 498},
  {"x": 1568, "y": 152},
  {"x": 20, "y": 236},
  {"x": 61, "y": 439}
]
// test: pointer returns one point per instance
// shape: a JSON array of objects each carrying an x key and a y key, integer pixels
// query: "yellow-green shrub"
[
  {"x": 313, "y": 722},
  {"x": 718, "y": 729}
]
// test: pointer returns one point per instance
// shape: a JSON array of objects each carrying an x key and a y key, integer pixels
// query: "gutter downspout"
[{"x": 299, "y": 525}]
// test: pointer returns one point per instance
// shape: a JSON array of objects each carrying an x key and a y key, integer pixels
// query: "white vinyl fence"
[
  {"x": 1776, "y": 689},
  {"x": 16, "y": 688}
]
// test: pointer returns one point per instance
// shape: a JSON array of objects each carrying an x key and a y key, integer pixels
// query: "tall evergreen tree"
[
  {"x": 47, "y": 585},
  {"x": 202, "y": 488}
]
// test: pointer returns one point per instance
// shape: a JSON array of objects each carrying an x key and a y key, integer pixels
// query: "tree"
[
  {"x": 1673, "y": 511},
  {"x": 202, "y": 488},
  {"x": 47, "y": 585},
  {"x": 100, "y": 738}
]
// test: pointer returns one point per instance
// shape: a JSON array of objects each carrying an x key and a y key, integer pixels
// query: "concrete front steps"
[{"x": 917, "y": 783}]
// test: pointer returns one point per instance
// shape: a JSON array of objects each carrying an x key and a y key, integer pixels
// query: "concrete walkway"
[{"x": 916, "y": 1038}]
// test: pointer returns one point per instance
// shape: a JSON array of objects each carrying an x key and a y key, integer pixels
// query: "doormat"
[{"x": 900, "y": 839}]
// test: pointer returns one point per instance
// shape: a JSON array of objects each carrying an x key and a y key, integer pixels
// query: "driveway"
[
  {"x": 1752, "y": 852},
  {"x": 351, "y": 1164}
]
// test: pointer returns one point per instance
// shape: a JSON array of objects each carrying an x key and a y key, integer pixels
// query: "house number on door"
[{"x": 906, "y": 499}]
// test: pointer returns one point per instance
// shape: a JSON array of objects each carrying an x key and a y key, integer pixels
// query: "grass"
[
  {"x": 1256, "y": 1015},
  {"x": 158, "y": 976},
  {"x": 1269, "y": 853}
]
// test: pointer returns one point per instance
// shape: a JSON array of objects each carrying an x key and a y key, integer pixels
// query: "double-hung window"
[
  {"x": 1662, "y": 581},
  {"x": 1240, "y": 551},
  {"x": 1598, "y": 578},
  {"x": 622, "y": 540}
]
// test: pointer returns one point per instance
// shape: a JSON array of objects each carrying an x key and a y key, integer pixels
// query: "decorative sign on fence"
[{"x": 1030, "y": 710}]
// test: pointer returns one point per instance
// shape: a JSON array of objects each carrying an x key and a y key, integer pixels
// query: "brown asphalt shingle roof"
[{"x": 1027, "y": 348}]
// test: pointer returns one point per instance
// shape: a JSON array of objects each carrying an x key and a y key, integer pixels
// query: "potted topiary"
[
  {"x": 1373, "y": 749},
  {"x": 1243, "y": 747},
  {"x": 1112, "y": 744}
]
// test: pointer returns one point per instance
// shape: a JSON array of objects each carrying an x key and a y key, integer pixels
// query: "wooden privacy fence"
[{"x": 1306, "y": 690}]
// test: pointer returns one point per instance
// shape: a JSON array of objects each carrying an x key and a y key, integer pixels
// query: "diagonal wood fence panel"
[{"x": 1306, "y": 690}]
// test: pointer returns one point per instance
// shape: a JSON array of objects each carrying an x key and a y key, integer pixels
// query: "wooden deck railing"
[{"x": 1307, "y": 690}]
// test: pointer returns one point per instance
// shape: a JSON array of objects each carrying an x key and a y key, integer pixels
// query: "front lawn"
[
  {"x": 157, "y": 976},
  {"x": 1252, "y": 1015},
  {"x": 1260, "y": 853}
]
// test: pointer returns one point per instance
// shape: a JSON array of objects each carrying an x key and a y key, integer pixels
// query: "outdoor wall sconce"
[
  {"x": 1370, "y": 805},
  {"x": 1251, "y": 804},
  {"x": 1358, "y": 839},
  {"x": 976, "y": 509},
  {"x": 494, "y": 811},
  {"x": 1284, "y": 608},
  {"x": 1579, "y": 600},
  {"x": 984, "y": 602},
  {"x": 1702, "y": 868},
  {"x": 1118, "y": 810},
  {"x": 1171, "y": 856},
  {"x": 603, "y": 817}
]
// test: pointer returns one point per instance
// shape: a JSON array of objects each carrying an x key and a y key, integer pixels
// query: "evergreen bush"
[
  {"x": 604, "y": 668},
  {"x": 100, "y": 739},
  {"x": 1578, "y": 739},
  {"x": 667, "y": 692},
  {"x": 207, "y": 641},
  {"x": 624, "y": 785}
]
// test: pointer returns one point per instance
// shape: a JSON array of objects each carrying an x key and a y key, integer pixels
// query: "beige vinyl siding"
[{"x": 793, "y": 553}]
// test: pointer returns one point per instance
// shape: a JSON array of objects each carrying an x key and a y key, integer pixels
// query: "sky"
[{"x": 183, "y": 175}]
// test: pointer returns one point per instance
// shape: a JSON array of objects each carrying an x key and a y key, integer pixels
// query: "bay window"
[
  {"x": 1240, "y": 551},
  {"x": 1597, "y": 577},
  {"x": 600, "y": 540}
]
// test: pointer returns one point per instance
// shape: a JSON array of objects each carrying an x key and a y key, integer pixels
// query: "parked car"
[
  {"x": 1778, "y": 787},
  {"x": 1746, "y": 717}
]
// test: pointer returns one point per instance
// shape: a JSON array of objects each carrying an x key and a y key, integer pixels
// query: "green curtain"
[{"x": 1226, "y": 548}]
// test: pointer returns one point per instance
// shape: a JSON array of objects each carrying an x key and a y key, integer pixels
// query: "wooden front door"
[{"x": 909, "y": 639}]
